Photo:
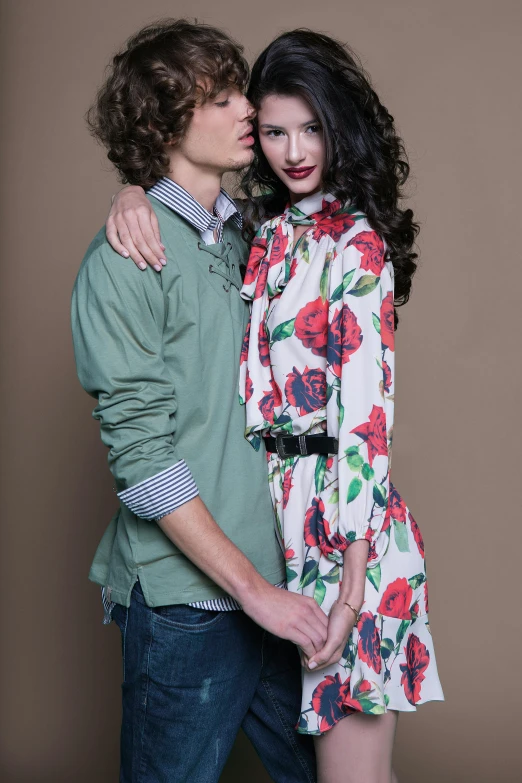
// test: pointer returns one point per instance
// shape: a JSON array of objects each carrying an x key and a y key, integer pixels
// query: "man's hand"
[
  {"x": 288, "y": 615},
  {"x": 340, "y": 624},
  {"x": 132, "y": 229}
]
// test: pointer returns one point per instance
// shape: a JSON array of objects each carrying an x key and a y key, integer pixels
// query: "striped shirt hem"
[
  {"x": 161, "y": 494},
  {"x": 224, "y": 604}
]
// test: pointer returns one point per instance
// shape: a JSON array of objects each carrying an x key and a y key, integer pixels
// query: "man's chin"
[{"x": 237, "y": 164}]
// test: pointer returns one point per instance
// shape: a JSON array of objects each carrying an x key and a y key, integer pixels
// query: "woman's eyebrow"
[{"x": 280, "y": 127}]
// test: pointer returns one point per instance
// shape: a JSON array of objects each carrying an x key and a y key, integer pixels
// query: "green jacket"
[{"x": 160, "y": 353}]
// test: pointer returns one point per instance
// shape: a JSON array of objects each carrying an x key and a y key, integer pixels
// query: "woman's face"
[{"x": 292, "y": 140}]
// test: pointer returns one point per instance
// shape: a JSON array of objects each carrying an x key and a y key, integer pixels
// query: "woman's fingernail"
[
  {"x": 312, "y": 665},
  {"x": 163, "y": 247},
  {"x": 125, "y": 254},
  {"x": 163, "y": 261},
  {"x": 142, "y": 265},
  {"x": 157, "y": 267}
]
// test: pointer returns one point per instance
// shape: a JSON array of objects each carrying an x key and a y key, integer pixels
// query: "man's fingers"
[
  {"x": 316, "y": 635},
  {"x": 304, "y": 643}
]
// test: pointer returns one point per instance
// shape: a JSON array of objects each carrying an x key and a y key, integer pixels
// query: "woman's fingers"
[
  {"x": 113, "y": 238},
  {"x": 150, "y": 248}
]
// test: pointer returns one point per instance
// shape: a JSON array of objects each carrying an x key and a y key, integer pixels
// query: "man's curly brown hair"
[{"x": 152, "y": 87}]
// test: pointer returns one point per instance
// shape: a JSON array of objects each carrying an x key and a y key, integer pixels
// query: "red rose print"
[
  {"x": 415, "y": 609},
  {"x": 264, "y": 347},
  {"x": 278, "y": 246},
  {"x": 369, "y": 644},
  {"x": 306, "y": 391},
  {"x": 287, "y": 486},
  {"x": 344, "y": 338},
  {"x": 257, "y": 252},
  {"x": 396, "y": 600},
  {"x": 289, "y": 554},
  {"x": 270, "y": 401},
  {"x": 329, "y": 463},
  {"x": 293, "y": 268},
  {"x": 387, "y": 376},
  {"x": 317, "y": 531},
  {"x": 396, "y": 505},
  {"x": 372, "y": 249},
  {"x": 372, "y": 553},
  {"x": 374, "y": 433},
  {"x": 417, "y": 535},
  {"x": 328, "y": 700},
  {"x": 334, "y": 225},
  {"x": 350, "y": 704},
  {"x": 311, "y": 326},
  {"x": 417, "y": 661},
  {"x": 246, "y": 343},
  {"x": 388, "y": 322},
  {"x": 249, "y": 387}
]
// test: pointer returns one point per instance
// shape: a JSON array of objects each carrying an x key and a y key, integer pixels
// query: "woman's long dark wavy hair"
[{"x": 365, "y": 161}]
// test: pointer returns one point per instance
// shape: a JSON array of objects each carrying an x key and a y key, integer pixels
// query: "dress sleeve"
[{"x": 360, "y": 387}]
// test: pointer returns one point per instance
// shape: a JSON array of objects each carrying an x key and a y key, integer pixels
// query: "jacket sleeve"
[
  {"x": 118, "y": 315},
  {"x": 360, "y": 378}
]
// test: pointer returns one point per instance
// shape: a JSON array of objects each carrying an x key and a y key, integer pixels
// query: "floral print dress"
[{"x": 320, "y": 347}]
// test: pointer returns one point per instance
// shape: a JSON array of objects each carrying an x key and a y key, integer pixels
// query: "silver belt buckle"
[{"x": 280, "y": 448}]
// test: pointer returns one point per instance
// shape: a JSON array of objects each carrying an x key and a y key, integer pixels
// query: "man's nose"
[{"x": 248, "y": 112}]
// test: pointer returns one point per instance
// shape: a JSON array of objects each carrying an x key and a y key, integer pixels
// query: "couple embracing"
[{"x": 263, "y": 570}]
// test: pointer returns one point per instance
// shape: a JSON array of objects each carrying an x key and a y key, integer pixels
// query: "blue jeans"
[{"x": 191, "y": 679}]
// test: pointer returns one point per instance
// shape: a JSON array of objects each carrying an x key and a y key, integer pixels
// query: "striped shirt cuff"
[{"x": 161, "y": 494}]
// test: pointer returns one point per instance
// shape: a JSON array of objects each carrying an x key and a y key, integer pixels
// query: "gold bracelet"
[{"x": 354, "y": 610}]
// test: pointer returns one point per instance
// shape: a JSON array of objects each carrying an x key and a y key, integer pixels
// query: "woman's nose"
[{"x": 294, "y": 153}]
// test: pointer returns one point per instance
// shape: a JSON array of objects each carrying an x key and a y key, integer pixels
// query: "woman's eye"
[
  {"x": 274, "y": 133},
  {"x": 313, "y": 129}
]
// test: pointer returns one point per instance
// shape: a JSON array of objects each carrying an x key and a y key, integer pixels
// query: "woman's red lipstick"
[{"x": 300, "y": 173}]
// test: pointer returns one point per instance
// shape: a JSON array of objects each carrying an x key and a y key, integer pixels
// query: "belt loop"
[
  {"x": 280, "y": 447},
  {"x": 302, "y": 446}
]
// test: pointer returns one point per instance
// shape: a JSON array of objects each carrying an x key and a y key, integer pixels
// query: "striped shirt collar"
[{"x": 180, "y": 201}]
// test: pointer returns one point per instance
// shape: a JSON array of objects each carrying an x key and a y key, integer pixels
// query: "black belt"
[{"x": 301, "y": 445}]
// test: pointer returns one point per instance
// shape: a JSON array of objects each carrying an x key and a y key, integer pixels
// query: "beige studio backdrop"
[{"x": 450, "y": 73}]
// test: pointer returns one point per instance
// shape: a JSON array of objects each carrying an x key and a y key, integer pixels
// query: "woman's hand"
[
  {"x": 132, "y": 229},
  {"x": 340, "y": 625}
]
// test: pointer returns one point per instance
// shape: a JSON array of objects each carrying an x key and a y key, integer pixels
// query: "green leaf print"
[
  {"x": 290, "y": 574},
  {"x": 387, "y": 647},
  {"x": 354, "y": 489},
  {"x": 320, "y": 470},
  {"x": 323, "y": 285},
  {"x": 320, "y": 591},
  {"x": 401, "y": 536},
  {"x": 283, "y": 331},
  {"x": 416, "y": 581},
  {"x": 386, "y": 699},
  {"x": 379, "y": 495},
  {"x": 332, "y": 577},
  {"x": 365, "y": 285},
  {"x": 341, "y": 408},
  {"x": 374, "y": 575},
  {"x": 355, "y": 462},
  {"x": 351, "y": 450},
  {"x": 338, "y": 293},
  {"x": 329, "y": 391},
  {"x": 376, "y": 323},
  {"x": 334, "y": 497},
  {"x": 310, "y": 571},
  {"x": 403, "y": 627},
  {"x": 367, "y": 472}
]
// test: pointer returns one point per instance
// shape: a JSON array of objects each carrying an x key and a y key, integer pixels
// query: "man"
[{"x": 194, "y": 538}]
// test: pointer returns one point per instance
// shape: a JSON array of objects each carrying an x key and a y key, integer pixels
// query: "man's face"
[{"x": 218, "y": 137}]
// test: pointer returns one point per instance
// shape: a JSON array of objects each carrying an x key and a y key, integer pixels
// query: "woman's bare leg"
[{"x": 358, "y": 749}]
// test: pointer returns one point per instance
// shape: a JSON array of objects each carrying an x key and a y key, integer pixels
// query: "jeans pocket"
[
  {"x": 120, "y": 616},
  {"x": 185, "y": 617}
]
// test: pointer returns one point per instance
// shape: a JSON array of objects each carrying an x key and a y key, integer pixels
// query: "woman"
[{"x": 332, "y": 257}]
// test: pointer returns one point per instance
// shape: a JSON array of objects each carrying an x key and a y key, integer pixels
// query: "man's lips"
[
  {"x": 247, "y": 137},
  {"x": 299, "y": 173}
]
